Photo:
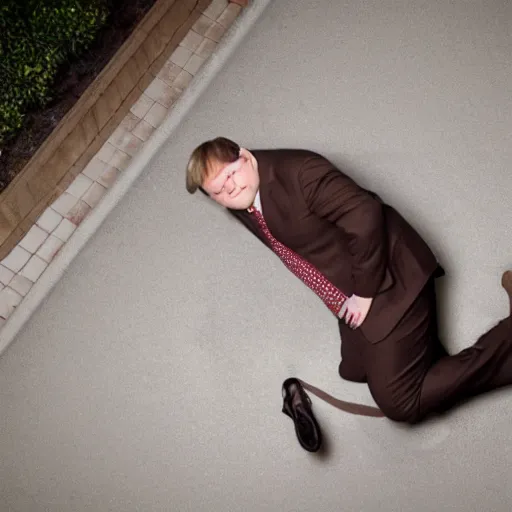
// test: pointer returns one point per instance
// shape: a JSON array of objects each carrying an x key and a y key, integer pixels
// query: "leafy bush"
[{"x": 36, "y": 37}]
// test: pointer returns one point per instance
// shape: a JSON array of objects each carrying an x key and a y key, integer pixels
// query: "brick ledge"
[{"x": 96, "y": 140}]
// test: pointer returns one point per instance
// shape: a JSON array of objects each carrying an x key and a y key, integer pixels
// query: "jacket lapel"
[{"x": 275, "y": 205}]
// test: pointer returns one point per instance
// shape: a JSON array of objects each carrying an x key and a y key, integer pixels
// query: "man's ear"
[{"x": 247, "y": 154}]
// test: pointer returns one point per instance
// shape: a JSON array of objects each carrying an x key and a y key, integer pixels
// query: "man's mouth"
[{"x": 238, "y": 193}]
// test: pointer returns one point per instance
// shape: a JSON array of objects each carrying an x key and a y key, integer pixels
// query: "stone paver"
[{"x": 25, "y": 264}]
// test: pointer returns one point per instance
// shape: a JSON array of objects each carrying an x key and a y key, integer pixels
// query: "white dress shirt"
[{"x": 257, "y": 202}]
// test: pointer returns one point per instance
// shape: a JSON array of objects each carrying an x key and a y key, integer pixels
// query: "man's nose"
[{"x": 230, "y": 185}]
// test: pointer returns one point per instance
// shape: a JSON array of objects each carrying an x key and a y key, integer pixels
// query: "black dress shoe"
[{"x": 297, "y": 405}]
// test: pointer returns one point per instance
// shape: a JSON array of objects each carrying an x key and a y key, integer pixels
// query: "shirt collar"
[{"x": 257, "y": 201}]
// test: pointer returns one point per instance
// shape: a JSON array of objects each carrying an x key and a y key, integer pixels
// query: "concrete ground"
[{"x": 149, "y": 379}]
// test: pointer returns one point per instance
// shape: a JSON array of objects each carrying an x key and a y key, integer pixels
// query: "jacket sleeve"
[{"x": 333, "y": 196}]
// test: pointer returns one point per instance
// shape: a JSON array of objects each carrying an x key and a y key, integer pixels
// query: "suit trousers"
[{"x": 409, "y": 373}]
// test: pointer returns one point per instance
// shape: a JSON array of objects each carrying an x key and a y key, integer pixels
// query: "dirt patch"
[{"x": 72, "y": 81}]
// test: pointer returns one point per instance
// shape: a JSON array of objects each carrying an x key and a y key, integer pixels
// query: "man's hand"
[{"x": 354, "y": 310}]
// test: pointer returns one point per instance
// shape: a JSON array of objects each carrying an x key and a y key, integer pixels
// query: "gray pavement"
[{"x": 149, "y": 379}]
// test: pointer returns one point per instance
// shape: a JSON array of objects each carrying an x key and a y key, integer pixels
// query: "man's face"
[{"x": 234, "y": 185}]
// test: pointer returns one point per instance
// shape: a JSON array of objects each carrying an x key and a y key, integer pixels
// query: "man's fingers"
[{"x": 361, "y": 319}]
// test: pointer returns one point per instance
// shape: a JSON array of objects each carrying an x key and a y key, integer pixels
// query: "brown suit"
[{"x": 366, "y": 247}]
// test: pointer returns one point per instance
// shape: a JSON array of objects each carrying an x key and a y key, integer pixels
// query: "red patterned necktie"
[{"x": 312, "y": 277}]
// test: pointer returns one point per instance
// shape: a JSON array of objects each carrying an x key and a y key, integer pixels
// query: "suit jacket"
[{"x": 360, "y": 244}]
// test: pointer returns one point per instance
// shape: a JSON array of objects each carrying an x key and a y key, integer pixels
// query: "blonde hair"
[{"x": 219, "y": 149}]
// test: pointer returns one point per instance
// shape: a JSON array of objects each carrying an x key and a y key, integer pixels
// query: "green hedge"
[{"x": 36, "y": 37}]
